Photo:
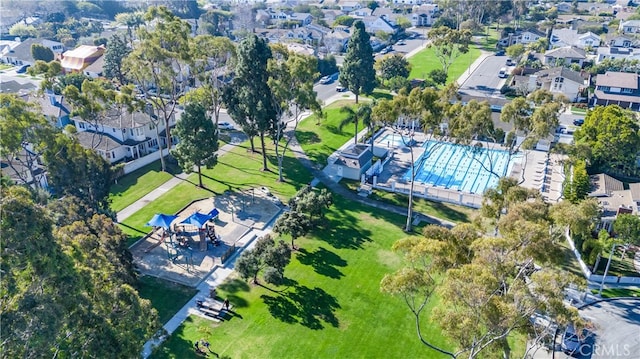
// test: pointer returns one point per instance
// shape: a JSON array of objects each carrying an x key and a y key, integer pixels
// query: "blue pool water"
[
  {"x": 394, "y": 140},
  {"x": 457, "y": 167}
]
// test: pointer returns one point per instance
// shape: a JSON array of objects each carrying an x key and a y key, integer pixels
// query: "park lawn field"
[
  {"x": 135, "y": 185},
  {"x": 320, "y": 141},
  {"x": 167, "y": 297},
  {"x": 236, "y": 170},
  {"x": 331, "y": 307},
  {"x": 425, "y": 61}
]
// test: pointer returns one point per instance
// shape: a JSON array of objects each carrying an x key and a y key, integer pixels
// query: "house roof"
[
  {"x": 617, "y": 202},
  {"x": 616, "y": 97},
  {"x": 549, "y": 74},
  {"x": 123, "y": 120},
  {"x": 51, "y": 105},
  {"x": 23, "y": 50},
  {"x": 603, "y": 185},
  {"x": 97, "y": 141},
  {"x": 97, "y": 66},
  {"x": 630, "y": 23},
  {"x": 635, "y": 191},
  {"x": 15, "y": 87},
  {"x": 76, "y": 59},
  {"x": 618, "y": 79},
  {"x": 567, "y": 52}
]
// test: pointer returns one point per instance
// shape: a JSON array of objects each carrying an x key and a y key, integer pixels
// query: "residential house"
[
  {"x": 613, "y": 199},
  {"x": 374, "y": 24},
  {"x": 621, "y": 41},
  {"x": 336, "y": 40},
  {"x": 96, "y": 69},
  {"x": 20, "y": 54},
  {"x": 330, "y": 15},
  {"x": 617, "y": 88},
  {"x": 424, "y": 15},
  {"x": 302, "y": 19},
  {"x": 78, "y": 59},
  {"x": 352, "y": 162},
  {"x": 121, "y": 135},
  {"x": 360, "y": 13},
  {"x": 411, "y": 2},
  {"x": 24, "y": 169},
  {"x": 349, "y": 6},
  {"x": 629, "y": 27},
  {"x": 521, "y": 37},
  {"x": 564, "y": 7},
  {"x": 616, "y": 53},
  {"x": 565, "y": 56},
  {"x": 557, "y": 80},
  {"x": 263, "y": 17},
  {"x": 55, "y": 108},
  {"x": 570, "y": 37}
]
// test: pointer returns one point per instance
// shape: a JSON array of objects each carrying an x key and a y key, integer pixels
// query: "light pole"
[{"x": 606, "y": 269}]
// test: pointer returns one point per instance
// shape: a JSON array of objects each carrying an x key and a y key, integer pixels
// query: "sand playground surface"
[{"x": 185, "y": 255}]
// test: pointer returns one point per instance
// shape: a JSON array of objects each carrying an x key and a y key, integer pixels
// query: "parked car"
[
  {"x": 386, "y": 50},
  {"x": 578, "y": 122},
  {"x": 22, "y": 69},
  {"x": 500, "y": 53},
  {"x": 510, "y": 62},
  {"x": 401, "y": 42},
  {"x": 225, "y": 126},
  {"x": 341, "y": 88},
  {"x": 325, "y": 80}
]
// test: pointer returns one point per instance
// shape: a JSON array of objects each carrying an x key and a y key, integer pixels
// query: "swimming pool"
[
  {"x": 461, "y": 167},
  {"x": 395, "y": 140}
]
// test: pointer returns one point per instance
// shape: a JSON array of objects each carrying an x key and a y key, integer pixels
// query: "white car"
[
  {"x": 325, "y": 80},
  {"x": 225, "y": 126}
]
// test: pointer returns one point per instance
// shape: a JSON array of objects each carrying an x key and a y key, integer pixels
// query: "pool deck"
[{"x": 534, "y": 169}]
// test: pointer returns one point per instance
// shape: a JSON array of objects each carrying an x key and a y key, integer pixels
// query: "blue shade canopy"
[
  {"x": 214, "y": 213},
  {"x": 197, "y": 219},
  {"x": 161, "y": 220}
]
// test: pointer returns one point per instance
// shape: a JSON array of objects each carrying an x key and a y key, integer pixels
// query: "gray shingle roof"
[
  {"x": 547, "y": 75},
  {"x": 618, "y": 79},
  {"x": 566, "y": 52}
]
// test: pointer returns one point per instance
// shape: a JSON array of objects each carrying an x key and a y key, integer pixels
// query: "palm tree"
[{"x": 354, "y": 116}]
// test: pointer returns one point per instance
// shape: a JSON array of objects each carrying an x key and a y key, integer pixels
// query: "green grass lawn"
[
  {"x": 619, "y": 267},
  {"x": 570, "y": 263},
  {"x": 451, "y": 212},
  {"x": 332, "y": 306},
  {"x": 618, "y": 292},
  {"x": 320, "y": 141},
  {"x": 425, "y": 61},
  {"x": 166, "y": 297},
  {"x": 238, "y": 169},
  {"x": 5, "y": 67},
  {"x": 135, "y": 185}
]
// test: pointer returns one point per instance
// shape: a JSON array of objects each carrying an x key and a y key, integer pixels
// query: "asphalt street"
[
  {"x": 484, "y": 81},
  {"x": 616, "y": 332}
]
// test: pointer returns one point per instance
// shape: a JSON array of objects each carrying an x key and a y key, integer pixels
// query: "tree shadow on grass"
[
  {"x": 307, "y": 137},
  {"x": 323, "y": 262},
  {"x": 340, "y": 231},
  {"x": 309, "y": 307},
  {"x": 233, "y": 288}
]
